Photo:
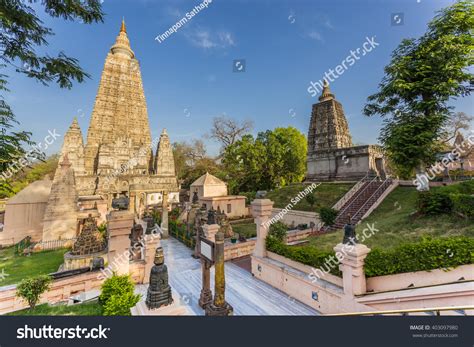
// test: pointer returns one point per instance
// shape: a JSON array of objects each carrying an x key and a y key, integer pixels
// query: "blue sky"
[{"x": 188, "y": 78}]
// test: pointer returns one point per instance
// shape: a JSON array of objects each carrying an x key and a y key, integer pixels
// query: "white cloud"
[
  {"x": 315, "y": 36},
  {"x": 226, "y": 38},
  {"x": 206, "y": 39}
]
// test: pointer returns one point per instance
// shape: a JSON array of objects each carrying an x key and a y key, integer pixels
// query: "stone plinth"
[
  {"x": 210, "y": 231},
  {"x": 174, "y": 309},
  {"x": 152, "y": 242},
  {"x": 72, "y": 262},
  {"x": 351, "y": 258},
  {"x": 119, "y": 226},
  {"x": 261, "y": 211}
]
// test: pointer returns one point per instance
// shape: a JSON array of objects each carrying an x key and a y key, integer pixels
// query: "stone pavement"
[{"x": 248, "y": 295}]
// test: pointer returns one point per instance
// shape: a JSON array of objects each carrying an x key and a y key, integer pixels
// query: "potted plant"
[{"x": 234, "y": 238}]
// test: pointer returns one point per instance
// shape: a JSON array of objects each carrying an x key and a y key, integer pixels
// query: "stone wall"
[
  {"x": 60, "y": 290},
  {"x": 295, "y": 217},
  {"x": 238, "y": 250}
]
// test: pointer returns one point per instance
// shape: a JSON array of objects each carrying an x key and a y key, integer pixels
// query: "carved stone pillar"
[
  {"x": 261, "y": 211},
  {"x": 119, "y": 226},
  {"x": 164, "y": 215},
  {"x": 351, "y": 259},
  {"x": 219, "y": 307},
  {"x": 206, "y": 293}
]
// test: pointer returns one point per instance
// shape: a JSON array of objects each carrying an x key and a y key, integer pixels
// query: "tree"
[
  {"x": 328, "y": 215},
  {"x": 273, "y": 159},
  {"x": 30, "y": 289},
  {"x": 191, "y": 161},
  {"x": 456, "y": 122},
  {"x": 310, "y": 199},
  {"x": 21, "y": 33},
  {"x": 227, "y": 131},
  {"x": 421, "y": 78}
]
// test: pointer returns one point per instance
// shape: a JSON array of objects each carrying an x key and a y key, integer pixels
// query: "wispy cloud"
[
  {"x": 206, "y": 39},
  {"x": 226, "y": 38},
  {"x": 315, "y": 35}
]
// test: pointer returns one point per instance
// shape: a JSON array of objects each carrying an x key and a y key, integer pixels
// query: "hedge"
[
  {"x": 427, "y": 254},
  {"x": 307, "y": 255},
  {"x": 179, "y": 231},
  {"x": 464, "y": 204}
]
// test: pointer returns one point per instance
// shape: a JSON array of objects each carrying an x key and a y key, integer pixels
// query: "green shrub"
[
  {"x": 180, "y": 232},
  {"x": 434, "y": 202},
  {"x": 311, "y": 199},
  {"x": 120, "y": 305},
  {"x": 278, "y": 231},
  {"x": 30, "y": 289},
  {"x": 117, "y": 296},
  {"x": 116, "y": 285},
  {"x": 328, "y": 215},
  {"x": 464, "y": 204},
  {"x": 249, "y": 196},
  {"x": 428, "y": 254},
  {"x": 308, "y": 255}
]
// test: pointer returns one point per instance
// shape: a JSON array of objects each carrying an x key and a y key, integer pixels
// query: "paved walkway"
[{"x": 248, "y": 295}]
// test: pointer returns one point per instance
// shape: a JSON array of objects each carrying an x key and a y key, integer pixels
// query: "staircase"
[{"x": 370, "y": 190}]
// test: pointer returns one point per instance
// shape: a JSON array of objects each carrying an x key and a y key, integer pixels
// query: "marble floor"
[{"x": 248, "y": 295}]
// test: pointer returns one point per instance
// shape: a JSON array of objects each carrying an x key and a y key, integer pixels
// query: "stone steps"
[{"x": 359, "y": 203}]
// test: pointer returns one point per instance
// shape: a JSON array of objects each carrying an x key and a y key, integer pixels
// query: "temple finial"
[
  {"x": 123, "y": 29},
  {"x": 326, "y": 94}
]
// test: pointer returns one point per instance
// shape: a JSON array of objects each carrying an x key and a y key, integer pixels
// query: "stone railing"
[
  {"x": 350, "y": 193},
  {"x": 354, "y": 292}
]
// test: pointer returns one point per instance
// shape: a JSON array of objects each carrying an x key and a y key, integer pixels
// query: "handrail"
[
  {"x": 341, "y": 212},
  {"x": 351, "y": 192},
  {"x": 413, "y": 310},
  {"x": 373, "y": 194}
]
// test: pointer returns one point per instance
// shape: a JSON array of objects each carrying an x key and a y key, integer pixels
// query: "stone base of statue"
[
  {"x": 205, "y": 299},
  {"x": 156, "y": 299},
  {"x": 225, "y": 310},
  {"x": 174, "y": 309}
]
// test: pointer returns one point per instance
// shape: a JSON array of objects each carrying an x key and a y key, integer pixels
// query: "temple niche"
[{"x": 331, "y": 153}]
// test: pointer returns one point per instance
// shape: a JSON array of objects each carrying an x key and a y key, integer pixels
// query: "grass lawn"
[
  {"x": 327, "y": 194},
  {"x": 395, "y": 225},
  {"x": 247, "y": 230},
  {"x": 20, "y": 267},
  {"x": 86, "y": 309}
]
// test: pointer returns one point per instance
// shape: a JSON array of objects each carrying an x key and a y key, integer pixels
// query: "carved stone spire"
[
  {"x": 119, "y": 120},
  {"x": 328, "y": 128},
  {"x": 164, "y": 156},
  {"x": 73, "y": 147}
]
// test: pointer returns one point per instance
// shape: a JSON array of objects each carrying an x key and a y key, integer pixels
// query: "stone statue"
[
  {"x": 159, "y": 291},
  {"x": 211, "y": 217},
  {"x": 120, "y": 203},
  {"x": 90, "y": 240},
  {"x": 349, "y": 232},
  {"x": 224, "y": 224},
  {"x": 195, "y": 198}
]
